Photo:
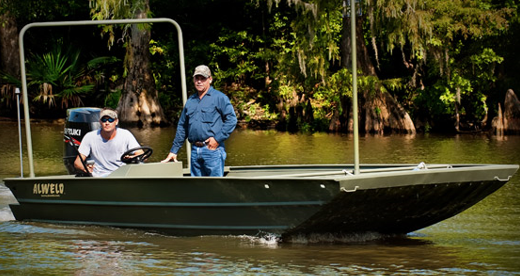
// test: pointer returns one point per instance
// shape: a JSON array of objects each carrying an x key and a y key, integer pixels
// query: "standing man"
[
  {"x": 207, "y": 120},
  {"x": 106, "y": 145}
]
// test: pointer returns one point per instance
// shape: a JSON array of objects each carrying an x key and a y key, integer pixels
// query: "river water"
[{"x": 484, "y": 240}]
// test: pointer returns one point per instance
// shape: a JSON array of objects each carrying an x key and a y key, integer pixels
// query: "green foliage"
[
  {"x": 116, "y": 9},
  {"x": 483, "y": 65},
  {"x": 273, "y": 56},
  {"x": 237, "y": 56},
  {"x": 58, "y": 74},
  {"x": 467, "y": 87},
  {"x": 61, "y": 76},
  {"x": 112, "y": 99},
  {"x": 27, "y": 11},
  {"x": 166, "y": 75},
  {"x": 6, "y": 78},
  {"x": 451, "y": 47},
  {"x": 338, "y": 86},
  {"x": 317, "y": 33}
]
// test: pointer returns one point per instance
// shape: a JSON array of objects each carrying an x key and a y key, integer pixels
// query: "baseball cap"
[
  {"x": 202, "y": 70},
  {"x": 109, "y": 113}
]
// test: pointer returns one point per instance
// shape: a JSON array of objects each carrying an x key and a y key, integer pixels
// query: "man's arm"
[
  {"x": 171, "y": 156},
  {"x": 180, "y": 134},
  {"x": 134, "y": 154},
  {"x": 79, "y": 165},
  {"x": 229, "y": 120}
]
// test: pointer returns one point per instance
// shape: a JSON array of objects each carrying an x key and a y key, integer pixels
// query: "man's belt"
[{"x": 199, "y": 144}]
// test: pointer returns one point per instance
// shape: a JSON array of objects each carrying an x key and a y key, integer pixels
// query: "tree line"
[{"x": 431, "y": 65}]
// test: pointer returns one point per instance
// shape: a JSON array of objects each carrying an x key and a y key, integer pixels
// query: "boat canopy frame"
[
  {"x": 183, "y": 73},
  {"x": 87, "y": 23}
]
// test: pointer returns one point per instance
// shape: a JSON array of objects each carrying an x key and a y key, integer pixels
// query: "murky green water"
[{"x": 484, "y": 240}]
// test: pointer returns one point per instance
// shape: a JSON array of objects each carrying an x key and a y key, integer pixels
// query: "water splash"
[
  {"x": 269, "y": 240},
  {"x": 6, "y": 197},
  {"x": 5, "y": 213}
]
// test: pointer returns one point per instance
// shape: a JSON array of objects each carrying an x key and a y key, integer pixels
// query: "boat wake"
[
  {"x": 273, "y": 240},
  {"x": 5, "y": 213},
  {"x": 269, "y": 240},
  {"x": 336, "y": 238},
  {"x": 6, "y": 198}
]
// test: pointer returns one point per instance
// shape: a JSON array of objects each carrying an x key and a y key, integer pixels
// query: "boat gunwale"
[{"x": 330, "y": 174}]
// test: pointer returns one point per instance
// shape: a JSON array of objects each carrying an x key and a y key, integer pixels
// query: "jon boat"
[{"x": 285, "y": 200}]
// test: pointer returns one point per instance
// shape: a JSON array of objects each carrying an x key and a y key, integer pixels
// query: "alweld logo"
[{"x": 49, "y": 189}]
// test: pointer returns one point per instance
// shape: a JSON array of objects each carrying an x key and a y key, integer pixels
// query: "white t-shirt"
[{"x": 107, "y": 153}]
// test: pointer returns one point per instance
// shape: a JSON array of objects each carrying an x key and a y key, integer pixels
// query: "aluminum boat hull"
[{"x": 283, "y": 200}]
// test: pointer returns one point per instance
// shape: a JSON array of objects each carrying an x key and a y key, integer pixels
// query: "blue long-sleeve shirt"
[{"x": 211, "y": 116}]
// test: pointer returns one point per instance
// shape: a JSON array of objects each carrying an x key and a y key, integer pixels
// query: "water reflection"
[{"x": 94, "y": 251}]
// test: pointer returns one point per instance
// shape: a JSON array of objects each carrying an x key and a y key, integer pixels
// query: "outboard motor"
[{"x": 79, "y": 121}]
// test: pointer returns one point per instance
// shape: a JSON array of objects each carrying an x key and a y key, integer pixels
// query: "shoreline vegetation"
[
  {"x": 427, "y": 66},
  {"x": 507, "y": 122}
]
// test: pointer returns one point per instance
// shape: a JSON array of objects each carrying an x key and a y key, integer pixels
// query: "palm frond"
[
  {"x": 73, "y": 95},
  {"x": 7, "y": 78}
]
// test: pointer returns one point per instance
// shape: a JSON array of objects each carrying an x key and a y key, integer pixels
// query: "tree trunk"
[
  {"x": 511, "y": 113},
  {"x": 363, "y": 57},
  {"x": 139, "y": 103},
  {"x": 381, "y": 112},
  {"x": 498, "y": 122},
  {"x": 9, "y": 52}
]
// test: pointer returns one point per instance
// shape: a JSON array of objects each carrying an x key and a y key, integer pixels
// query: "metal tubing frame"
[
  {"x": 85, "y": 23},
  {"x": 354, "y": 85},
  {"x": 17, "y": 92}
]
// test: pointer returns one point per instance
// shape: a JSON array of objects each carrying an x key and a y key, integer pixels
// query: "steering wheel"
[{"x": 125, "y": 158}]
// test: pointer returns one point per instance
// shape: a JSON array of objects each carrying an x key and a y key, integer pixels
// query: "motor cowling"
[{"x": 79, "y": 122}]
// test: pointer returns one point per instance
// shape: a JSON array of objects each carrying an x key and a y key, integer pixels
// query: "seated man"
[{"x": 105, "y": 145}]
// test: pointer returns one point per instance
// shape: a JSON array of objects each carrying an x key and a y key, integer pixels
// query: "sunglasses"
[{"x": 105, "y": 119}]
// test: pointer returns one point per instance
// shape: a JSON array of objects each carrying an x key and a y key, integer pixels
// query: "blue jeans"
[{"x": 206, "y": 162}]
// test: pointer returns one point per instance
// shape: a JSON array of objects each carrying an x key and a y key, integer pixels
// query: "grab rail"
[
  {"x": 502, "y": 180},
  {"x": 350, "y": 172}
]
